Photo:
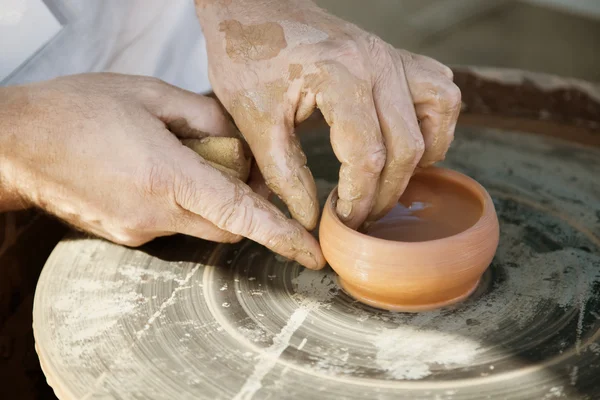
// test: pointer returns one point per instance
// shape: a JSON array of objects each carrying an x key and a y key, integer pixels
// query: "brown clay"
[
  {"x": 295, "y": 71},
  {"x": 439, "y": 251},
  {"x": 253, "y": 42},
  {"x": 224, "y": 153},
  {"x": 259, "y": 114}
]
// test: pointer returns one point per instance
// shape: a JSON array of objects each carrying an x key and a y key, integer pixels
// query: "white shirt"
[{"x": 160, "y": 38}]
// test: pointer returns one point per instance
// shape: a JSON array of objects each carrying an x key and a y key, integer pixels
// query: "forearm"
[{"x": 13, "y": 118}]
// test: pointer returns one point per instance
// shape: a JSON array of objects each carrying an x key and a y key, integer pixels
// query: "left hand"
[
  {"x": 271, "y": 62},
  {"x": 94, "y": 150}
]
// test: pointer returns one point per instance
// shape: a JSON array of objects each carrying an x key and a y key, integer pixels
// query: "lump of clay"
[{"x": 224, "y": 153}]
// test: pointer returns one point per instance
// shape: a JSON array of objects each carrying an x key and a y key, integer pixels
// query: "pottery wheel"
[{"x": 187, "y": 319}]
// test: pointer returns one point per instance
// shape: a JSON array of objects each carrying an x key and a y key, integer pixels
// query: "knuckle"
[
  {"x": 225, "y": 215},
  {"x": 234, "y": 219},
  {"x": 152, "y": 81},
  {"x": 408, "y": 58},
  {"x": 137, "y": 223},
  {"x": 350, "y": 49},
  {"x": 382, "y": 59},
  {"x": 232, "y": 239},
  {"x": 447, "y": 71},
  {"x": 217, "y": 114},
  {"x": 234, "y": 214},
  {"x": 378, "y": 48},
  {"x": 435, "y": 65},
  {"x": 157, "y": 180},
  {"x": 213, "y": 108},
  {"x": 351, "y": 54},
  {"x": 186, "y": 195},
  {"x": 151, "y": 87},
  {"x": 129, "y": 239},
  {"x": 451, "y": 95},
  {"x": 409, "y": 151},
  {"x": 374, "y": 161}
]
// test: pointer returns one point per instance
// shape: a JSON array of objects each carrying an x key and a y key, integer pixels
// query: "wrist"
[{"x": 13, "y": 118}]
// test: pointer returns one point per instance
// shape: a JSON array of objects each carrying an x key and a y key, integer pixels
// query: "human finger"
[
  {"x": 232, "y": 206},
  {"x": 434, "y": 65},
  {"x": 192, "y": 224},
  {"x": 348, "y": 107},
  {"x": 403, "y": 140},
  {"x": 186, "y": 114},
  {"x": 437, "y": 104},
  {"x": 257, "y": 182},
  {"x": 268, "y": 126}
]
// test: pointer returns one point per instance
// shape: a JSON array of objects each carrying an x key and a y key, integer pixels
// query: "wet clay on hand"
[
  {"x": 428, "y": 252},
  {"x": 164, "y": 188},
  {"x": 273, "y": 62}
]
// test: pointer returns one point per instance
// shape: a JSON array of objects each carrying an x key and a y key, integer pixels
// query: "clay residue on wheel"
[{"x": 253, "y": 42}]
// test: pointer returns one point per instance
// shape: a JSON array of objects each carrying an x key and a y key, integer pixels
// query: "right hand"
[
  {"x": 290, "y": 57},
  {"x": 94, "y": 149}
]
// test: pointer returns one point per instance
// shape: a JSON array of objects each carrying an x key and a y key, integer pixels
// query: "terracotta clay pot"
[{"x": 445, "y": 232}]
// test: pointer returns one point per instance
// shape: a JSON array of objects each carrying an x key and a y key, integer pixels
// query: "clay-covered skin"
[
  {"x": 272, "y": 62},
  {"x": 253, "y": 42},
  {"x": 94, "y": 150},
  {"x": 410, "y": 265}
]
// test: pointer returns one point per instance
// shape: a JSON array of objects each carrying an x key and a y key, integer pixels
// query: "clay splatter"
[
  {"x": 253, "y": 42},
  {"x": 314, "y": 288},
  {"x": 408, "y": 353}
]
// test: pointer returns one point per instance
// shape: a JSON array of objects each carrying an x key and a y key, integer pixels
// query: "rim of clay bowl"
[{"x": 468, "y": 183}]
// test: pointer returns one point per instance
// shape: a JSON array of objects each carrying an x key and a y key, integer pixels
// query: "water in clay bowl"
[{"x": 428, "y": 252}]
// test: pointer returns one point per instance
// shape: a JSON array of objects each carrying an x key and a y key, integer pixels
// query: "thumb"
[
  {"x": 187, "y": 114},
  {"x": 232, "y": 206}
]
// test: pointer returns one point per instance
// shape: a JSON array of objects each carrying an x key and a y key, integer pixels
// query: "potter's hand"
[
  {"x": 273, "y": 61},
  {"x": 95, "y": 151}
]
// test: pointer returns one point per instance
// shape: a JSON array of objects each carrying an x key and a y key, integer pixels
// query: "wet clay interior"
[
  {"x": 428, "y": 252},
  {"x": 430, "y": 208}
]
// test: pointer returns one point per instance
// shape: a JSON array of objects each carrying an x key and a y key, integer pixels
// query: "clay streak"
[
  {"x": 579, "y": 331},
  {"x": 301, "y": 346},
  {"x": 268, "y": 359},
  {"x": 182, "y": 285}
]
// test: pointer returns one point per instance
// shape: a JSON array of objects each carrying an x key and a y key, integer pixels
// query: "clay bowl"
[{"x": 428, "y": 252}]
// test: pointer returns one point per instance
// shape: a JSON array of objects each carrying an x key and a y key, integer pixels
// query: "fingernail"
[
  {"x": 365, "y": 226},
  {"x": 306, "y": 208},
  {"x": 310, "y": 261},
  {"x": 344, "y": 209}
]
